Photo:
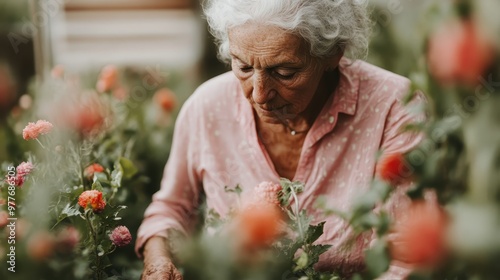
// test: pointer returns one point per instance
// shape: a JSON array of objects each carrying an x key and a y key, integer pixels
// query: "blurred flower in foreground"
[
  {"x": 91, "y": 169},
  {"x": 459, "y": 53},
  {"x": 419, "y": 234},
  {"x": 393, "y": 169},
  {"x": 120, "y": 236},
  {"x": 85, "y": 115},
  {"x": 3, "y": 219},
  {"x": 57, "y": 72},
  {"x": 67, "y": 239},
  {"x": 107, "y": 78},
  {"x": 166, "y": 99},
  {"x": 41, "y": 246},
  {"x": 33, "y": 130},
  {"x": 92, "y": 199}
]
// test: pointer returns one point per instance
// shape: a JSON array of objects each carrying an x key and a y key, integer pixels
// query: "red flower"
[
  {"x": 419, "y": 236},
  {"x": 86, "y": 115},
  {"x": 393, "y": 169},
  {"x": 166, "y": 99},
  {"x": 120, "y": 236},
  {"x": 92, "y": 199},
  {"x": 91, "y": 169},
  {"x": 459, "y": 53},
  {"x": 258, "y": 226}
]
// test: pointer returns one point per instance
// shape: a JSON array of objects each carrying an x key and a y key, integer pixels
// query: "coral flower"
[
  {"x": 92, "y": 199},
  {"x": 41, "y": 246},
  {"x": 120, "y": 236},
  {"x": 107, "y": 78},
  {"x": 419, "y": 236},
  {"x": 393, "y": 168},
  {"x": 258, "y": 227},
  {"x": 86, "y": 115},
  {"x": 166, "y": 99},
  {"x": 459, "y": 53},
  {"x": 33, "y": 130},
  {"x": 265, "y": 192},
  {"x": 91, "y": 169}
]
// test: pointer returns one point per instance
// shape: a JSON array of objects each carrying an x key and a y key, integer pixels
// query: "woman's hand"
[{"x": 157, "y": 262}]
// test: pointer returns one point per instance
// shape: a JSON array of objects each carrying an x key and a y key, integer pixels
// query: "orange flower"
[
  {"x": 458, "y": 52},
  {"x": 419, "y": 236},
  {"x": 108, "y": 78},
  {"x": 393, "y": 169},
  {"x": 166, "y": 99},
  {"x": 41, "y": 246},
  {"x": 258, "y": 226},
  {"x": 86, "y": 115},
  {"x": 92, "y": 199},
  {"x": 91, "y": 169}
]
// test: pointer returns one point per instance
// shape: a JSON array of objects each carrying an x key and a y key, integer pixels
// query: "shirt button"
[{"x": 331, "y": 119}]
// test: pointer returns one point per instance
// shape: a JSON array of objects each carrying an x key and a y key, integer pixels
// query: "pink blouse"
[{"x": 216, "y": 144}]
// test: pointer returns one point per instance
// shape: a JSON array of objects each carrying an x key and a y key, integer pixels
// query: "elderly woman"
[{"x": 293, "y": 106}]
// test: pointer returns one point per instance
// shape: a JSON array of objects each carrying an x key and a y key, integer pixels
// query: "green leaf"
[
  {"x": 377, "y": 259},
  {"x": 314, "y": 232},
  {"x": 237, "y": 190},
  {"x": 70, "y": 211},
  {"x": 127, "y": 167}
]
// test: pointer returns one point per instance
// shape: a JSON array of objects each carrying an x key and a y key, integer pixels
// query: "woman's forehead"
[{"x": 265, "y": 41}]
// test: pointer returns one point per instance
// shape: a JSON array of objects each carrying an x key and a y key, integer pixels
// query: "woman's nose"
[{"x": 262, "y": 90}]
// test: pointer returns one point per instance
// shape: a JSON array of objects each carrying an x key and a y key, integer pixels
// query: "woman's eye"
[
  {"x": 245, "y": 69},
  {"x": 284, "y": 74}
]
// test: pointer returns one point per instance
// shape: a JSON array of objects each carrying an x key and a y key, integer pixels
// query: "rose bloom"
[
  {"x": 91, "y": 169},
  {"x": 166, "y": 99},
  {"x": 393, "y": 169},
  {"x": 459, "y": 53},
  {"x": 92, "y": 199},
  {"x": 33, "y": 130},
  {"x": 419, "y": 236},
  {"x": 120, "y": 236},
  {"x": 108, "y": 78}
]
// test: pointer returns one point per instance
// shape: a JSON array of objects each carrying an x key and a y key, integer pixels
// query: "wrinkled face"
[{"x": 277, "y": 73}]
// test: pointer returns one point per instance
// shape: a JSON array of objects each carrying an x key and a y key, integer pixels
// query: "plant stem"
[
  {"x": 296, "y": 206},
  {"x": 96, "y": 252}
]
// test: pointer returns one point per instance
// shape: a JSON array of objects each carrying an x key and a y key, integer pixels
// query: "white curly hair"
[{"x": 328, "y": 26}]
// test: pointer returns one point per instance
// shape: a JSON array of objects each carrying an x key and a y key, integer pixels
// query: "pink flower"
[
  {"x": 92, "y": 199},
  {"x": 459, "y": 53},
  {"x": 120, "y": 236},
  {"x": 33, "y": 130},
  {"x": 107, "y": 78},
  {"x": 265, "y": 192},
  {"x": 67, "y": 239},
  {"x": 24, "y": 168}
]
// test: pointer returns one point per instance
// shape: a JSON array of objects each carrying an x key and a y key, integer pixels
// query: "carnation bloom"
[
  {"x": 92, "y": 199},
  {"x": 266, "y": 192},
  {"x": 33, "y": 130},
  {"x": 91, "y": 169},
  {"x": 24, "y": 168},
  {"x": 459, "y": 53},
  {"x": 166, "y": 99},
  {"x": 393, "y": 168},
  {"x": 86, "y": 115},
  {"x": 259, "y": 226},
  {"x": 419, "y": 236},
  {"x": 120, "y": 236},
  {"x": 107, "y": 78}
]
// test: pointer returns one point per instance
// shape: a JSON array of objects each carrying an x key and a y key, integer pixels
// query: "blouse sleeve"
[{"x": 174, "y": 205}]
